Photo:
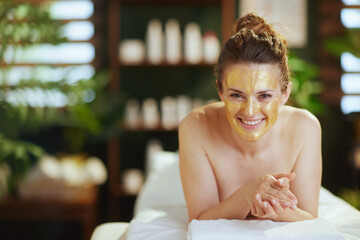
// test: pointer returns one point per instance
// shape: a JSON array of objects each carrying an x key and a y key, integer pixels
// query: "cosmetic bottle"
[
  {"x": 168, "y": 113},
  {"x": 193, "y": 44},
  {"x": 132, "y": 114},
  {"x": 211, "y": 47},
  {"x": 172, "y": 42},
  {"x": 132, "y": 51},
  {"x": 150, "y": 114},
  {"x": 155, "y": 42}
]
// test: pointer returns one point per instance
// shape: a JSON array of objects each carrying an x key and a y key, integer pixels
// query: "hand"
[
  {"x": 265, "y": 209},
  {"x": 283, "y": 179},
  {"x": 272, "y": 207},
  {"x": 274, "y": 189}
]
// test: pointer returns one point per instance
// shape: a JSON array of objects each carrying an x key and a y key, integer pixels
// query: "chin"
[{"x": 254, "y": 139}]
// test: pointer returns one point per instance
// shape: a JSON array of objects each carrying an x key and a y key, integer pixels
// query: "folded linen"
[
  {"x": 262, "y": 229},
  {"x": 159, "y": 223}
]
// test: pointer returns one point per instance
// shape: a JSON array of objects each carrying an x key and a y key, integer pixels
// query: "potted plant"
[{"x": 23, "y": 24}]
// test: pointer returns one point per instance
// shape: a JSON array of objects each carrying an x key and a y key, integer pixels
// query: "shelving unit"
[
  {"x": 82, "y": 209},
  {"x": 126, "y": 19}
]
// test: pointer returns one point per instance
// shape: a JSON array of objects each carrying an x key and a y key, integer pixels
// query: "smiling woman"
[
  {"x": 252, "y": 96},
  {"x": 250, "y": 156}
]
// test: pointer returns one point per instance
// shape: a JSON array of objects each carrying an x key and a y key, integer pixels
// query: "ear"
[
  {"x": 221, "y": 96},
  {"x": 286, "y": 95},
  {"x": 220, "y": 93}
]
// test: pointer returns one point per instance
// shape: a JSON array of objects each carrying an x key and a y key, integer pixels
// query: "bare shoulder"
[
  {"x": 301, "y": 120},
  {"x": 202, "y": 118}
]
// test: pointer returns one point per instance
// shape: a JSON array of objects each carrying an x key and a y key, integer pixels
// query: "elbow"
[{"x": 194, "y": 217}]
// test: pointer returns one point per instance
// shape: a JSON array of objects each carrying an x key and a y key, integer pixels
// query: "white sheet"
[
  {"x": 222, "y": 229},
  {"x": 109, "y": 231},
  {"x": 161, "y": 215},
  {"x": 337, "y": 220}
]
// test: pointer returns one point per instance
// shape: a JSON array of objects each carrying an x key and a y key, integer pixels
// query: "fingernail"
[
  {"x": 295, "y": 200},
  {"x": 286, "y": 204},
  {"x": 265, "y": 204},
  {"x": 273, "y": 201},
  {"x": 257, "y": 196},
  {"x": 281, "y": 181},
  {"x": 293, "y": 206}
]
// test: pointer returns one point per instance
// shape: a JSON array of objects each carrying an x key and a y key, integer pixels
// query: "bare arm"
[
  {"x": 307, "y": 184},
  {"x": 199, "y": 182},
  {"x": 198, "y": 179},
  {"x": 308, "y": 169}
]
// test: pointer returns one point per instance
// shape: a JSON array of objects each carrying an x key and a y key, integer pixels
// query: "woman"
[{"x": 250, "y": 156}]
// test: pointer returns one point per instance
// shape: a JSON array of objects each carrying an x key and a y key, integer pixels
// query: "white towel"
[{"x": 222, "y": 229}]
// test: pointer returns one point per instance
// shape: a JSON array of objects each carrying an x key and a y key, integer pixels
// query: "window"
[
  {"x": 350, "y": 79},
  {"x": 72, "y": 60}
]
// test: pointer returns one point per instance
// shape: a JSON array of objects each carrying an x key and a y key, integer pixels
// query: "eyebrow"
[{"x": 260, "y": 92}]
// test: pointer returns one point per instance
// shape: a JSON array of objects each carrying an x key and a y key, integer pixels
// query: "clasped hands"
[{"x": 270, "y": 196}]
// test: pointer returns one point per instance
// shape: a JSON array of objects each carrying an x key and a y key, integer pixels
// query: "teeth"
[{"x": 252, "y": 123}]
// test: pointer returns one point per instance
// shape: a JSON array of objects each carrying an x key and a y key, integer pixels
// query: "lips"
[{"x": 251, "y": 123}]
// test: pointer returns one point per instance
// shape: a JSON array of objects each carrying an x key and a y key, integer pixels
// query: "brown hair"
[{"x": 255, "y": 41}]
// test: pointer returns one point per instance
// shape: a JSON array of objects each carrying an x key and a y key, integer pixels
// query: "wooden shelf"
[
  {"x": 45, "y": 64},
  {"x": 82, "y": 209},
  {"x": 226, "y": 19},
  {"x": 207, "y": 2},
  {"x": 159, "y": 129},
  {"x": 181, "y": 64},
  {"x": 118, "y": 191}
]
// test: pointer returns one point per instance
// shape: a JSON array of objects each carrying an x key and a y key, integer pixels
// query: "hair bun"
[{"x": 253, "y": 22}]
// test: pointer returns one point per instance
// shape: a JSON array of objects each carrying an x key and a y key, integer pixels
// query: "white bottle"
[
  {"x": 172, "y": 42},
  {"x": 211, "y": 47},
  {"x": 132, "y": 51},
  {"x": 132, "y": 180},
  {"x": 150, "y": 114},
  {"x": 155, "y": 42},
  {"x": 193, "y": 44},
  {"x": 169, "y": 113},
  {"x": 132, "y": 114}
]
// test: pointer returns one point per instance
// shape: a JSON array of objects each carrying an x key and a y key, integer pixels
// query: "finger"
[
  {"x": 268, "y": 209},
  {"x": 290, "y": 176},
  {"x": 283, "y": 182},
  {"x": 278, "y": 192},
  {"x": 288, "y": 204},
  {"x": 258, "y": 206},
  {"x": 253, "y": 208},
  {"x": 253, "y": 205},
  {"x": 285, "y": 194},
  {"x": 291, "y": 196},
  {"x": 278, "y": 208},
  {"x": 282, "y": 195}
]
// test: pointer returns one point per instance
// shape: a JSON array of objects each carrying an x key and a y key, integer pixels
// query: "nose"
[{"x": 251, "y": 107}]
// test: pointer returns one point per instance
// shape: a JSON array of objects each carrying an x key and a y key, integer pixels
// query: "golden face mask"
[{"x": 252, "y": 98}]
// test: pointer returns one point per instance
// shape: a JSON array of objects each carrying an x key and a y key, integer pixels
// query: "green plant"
[
  {"x": 352, "y": 196},
  {"x": 306, "y": 87},
  {"x": 23, "y": 25},
  {"x": 349, "y": 42}
]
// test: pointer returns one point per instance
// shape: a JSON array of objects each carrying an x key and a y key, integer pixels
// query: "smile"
[{"x": 251, "y": 122}]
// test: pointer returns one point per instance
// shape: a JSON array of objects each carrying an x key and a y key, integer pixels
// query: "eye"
[
  {"x": 265, "y": 96},
  {"x": 236, "y": 96}
]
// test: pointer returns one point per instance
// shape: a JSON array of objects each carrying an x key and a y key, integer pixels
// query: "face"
[{"x": 252, "y": 96}]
